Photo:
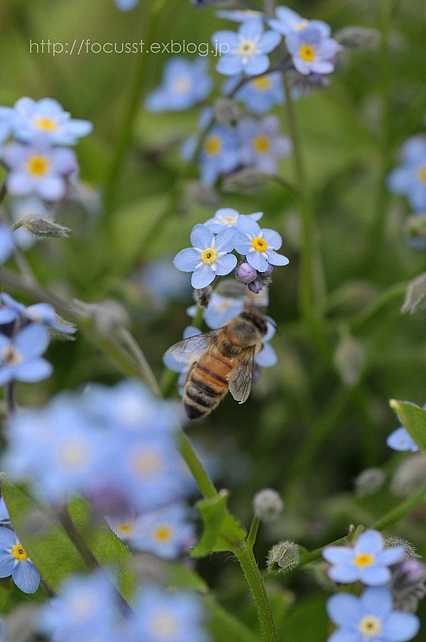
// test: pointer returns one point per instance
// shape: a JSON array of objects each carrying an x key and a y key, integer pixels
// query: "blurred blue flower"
[
  {"x": 311, "y": 51},
  {"x": 258, "y": 94},
  {"x": 15, "y": 561},
  {"x": 239, "y": 15},
  {"x": 45, "y": 120},
  {"x": 4, "y": 513},
  {"x": 85, "y": 610},
  {"x": 171, "y": 616},
  {"x": 20, "y": 357},
  {"x": 370, "y": 618},
  {"x": 6, "y": 243},
  {"x": 126, "y": 5},
  {"x": 43, "y": 313},
  {"x": 185, "y": 84},
  {"x": 288, "y": 20},
  {"x": 367, "y": 560},
  {"x": 221, "y": 310},
  {"x": 410, "y": 177},
  {"x": 262, "y": 144},
  {"x": 258, "y": 245},
  {"x": 219, "y": 153},
  {"x": 400, "y": 439},
  {"x": 246, "y": 50},
  {"x": 208, "y": 257},
  {"x": 165, "y": 532},
  {"x": 226, "y": 217},
  {"x": 267, "y": 357},
  {"x": 24, "y": 208},
  {"x": 163, "y": 281},
  {"x": 38, "y": 169}
]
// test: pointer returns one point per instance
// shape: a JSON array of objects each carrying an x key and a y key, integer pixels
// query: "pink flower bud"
[{"x": 246, "y": 273}]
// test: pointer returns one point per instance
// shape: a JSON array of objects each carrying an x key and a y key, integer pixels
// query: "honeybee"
[{"x": 220, "y": 360}]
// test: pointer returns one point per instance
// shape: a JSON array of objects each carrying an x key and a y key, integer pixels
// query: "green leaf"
[
  {"x": 50, "y": 549},
  {"x": 183, "y": 577},
  {"x": 413, "y": 418},
  {"x": 222, "y": 532},
  {"x": 104, "y": 544},
  {"x": 226, "y": 628}
]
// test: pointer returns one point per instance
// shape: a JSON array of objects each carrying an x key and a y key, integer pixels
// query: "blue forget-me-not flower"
[
  {"x": 258, "y": 245},
  {"x": 366, "y": 561},
  {"x": 245, "y": 51},
  {"x": 409, "y": 178},
  {"x": 208, "y": 257},
  {"x": 370, "y": 618},
  {"x": 184, "y": 84},
  {"x": 14, "y": 561}
]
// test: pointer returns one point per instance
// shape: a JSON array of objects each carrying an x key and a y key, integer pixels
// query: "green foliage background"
[{"x": 303, "y": 431}]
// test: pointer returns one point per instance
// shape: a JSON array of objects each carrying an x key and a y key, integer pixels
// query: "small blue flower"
[
  {"x": 221, "y": 309},
  {"x": 262, "y": 144},
  {"x": 369, "y": 618},
  {"x": 38, "y": 169},
  {"x": 219, "y": 153},
  {"x": 288, "y": 20},
  {"x": 258, "y": 245},
  {"x": 6, "y": 243},
  {"x": 311, "y": 51},
  {"x": 227, "y": 217},
  {"x": 245, "y": 51},
  {"x": 15, "y": 561},
  {"x": 258, "y": 94},
  {"x": 239, "y": 15},
  {"x": 184, "y": 85},
  {"x": 126, "y": 5},
  {"x": 400, "y": 439},
  {"x": 171, "y": 616},
  {"x": 45, "y": 120},
  {"x": 410, "y": 177},
  {"x": 166, "y": 532},
  {"x": 20, "y": 357},
  {"x": 366, "y": 561},
  {"x": 38, "y": 313},
  {"x": 208, "y": 257}
]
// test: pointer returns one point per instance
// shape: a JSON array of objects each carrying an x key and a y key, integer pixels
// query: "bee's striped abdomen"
[{"x": 206, "y": 385}]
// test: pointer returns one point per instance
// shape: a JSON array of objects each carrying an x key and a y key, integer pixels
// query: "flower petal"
[
  {"x": 202, "y": 276},
  {"x": 225, "y": 264},
  {"x": 370, "y": 541},
  {"x": 187, "y": 260},
  {"x": 399, "y": 627},
  {"x": 32, "y": 340},
  {"x": 201, "y": 236},
  {"x": 344, "y": 609},
  {"x": 26, "y": 576}
]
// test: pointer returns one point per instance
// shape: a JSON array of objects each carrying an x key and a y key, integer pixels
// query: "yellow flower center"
[
  {"x": 259, "y": 244},
  {"x": 301, "y": 25},
  {"x": 364, "y": 559},
  {"x": 162, "y": 533},
  {"x": 212, "y": 145},
  {"x": 370, "y": 626},
  {"x": 262, "y": 144},
  {"x": 421, "y": 174},
  {"x": 182, "y": 85},
  {"x": 146, "y": 463},
  {"x": 263, "y": 83},
  {"x": 73, "y": 454},
  {"x": 124, "y": 528},
  {"x": 37, "y": 165},
  {"x": 247, "y": 48},
  {"x": 19, "y": 553},
  {"x": 209, "y": 255},
  {"x": 46, "y": 124},
  {"x": 165, "y": 626},
  {"x": 228, "y": 220},
  {"x": 11, "y": 356},
  {"x": 307, "y": 53}
]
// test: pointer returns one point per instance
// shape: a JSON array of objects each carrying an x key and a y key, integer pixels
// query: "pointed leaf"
[
  {"x": 222, "y": 532},
  {"x": 413, "y": 418},
  {"x": 50, "y": 549}
]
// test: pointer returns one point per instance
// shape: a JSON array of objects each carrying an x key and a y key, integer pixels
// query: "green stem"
[
  {"x": 204, "y": 482},
  {"x": 260, "y": 597},
  {"x": 397, "y": 513},
  {"x": 251, "y": 538},
  {"x": 311, "y": 282},
  {"x": 129, "y": 111}
]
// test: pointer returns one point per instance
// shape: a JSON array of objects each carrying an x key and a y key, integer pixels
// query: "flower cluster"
[
  {"x": 213, "y": 243},
  {"x": 87, "y": 608},
  {"x": 117, "y": 448},
  {"x": 371, "y": 616},
  {"x": 24, "y": 337},
  {"x": 252, "y": 143},
  {"x": 37, "y": 158}
]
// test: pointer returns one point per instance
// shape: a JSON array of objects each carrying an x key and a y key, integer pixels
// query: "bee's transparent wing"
[
  {"x": 240, "y": 378},
  {"x": 190, "y": 349}
]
